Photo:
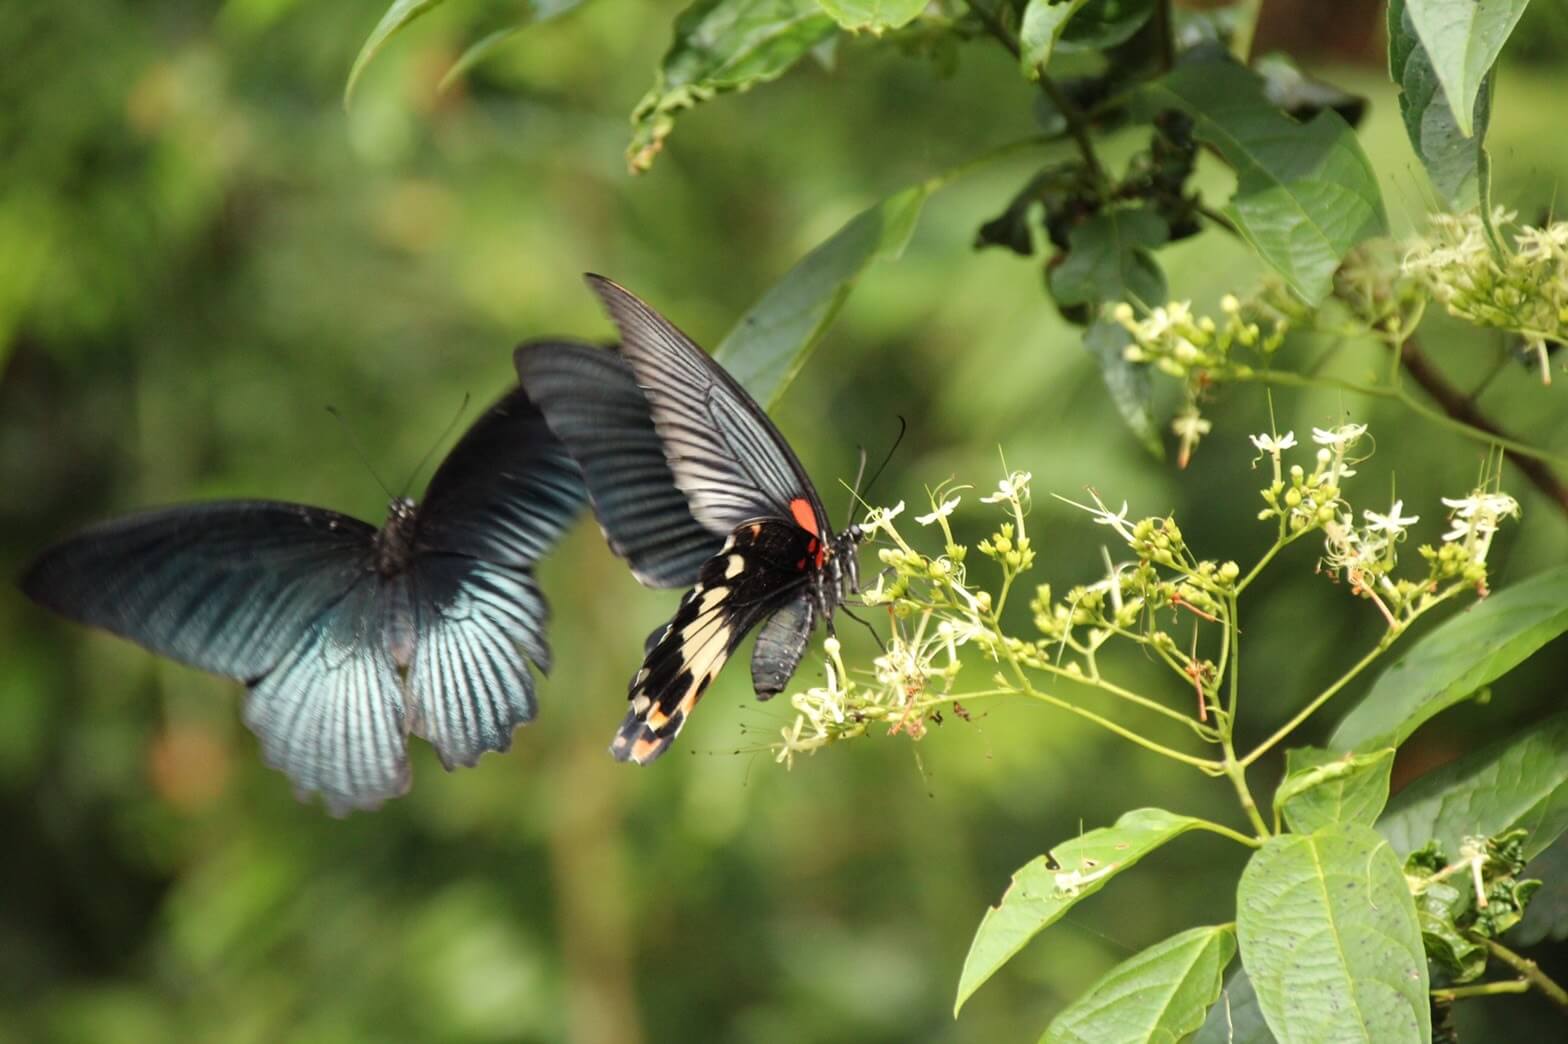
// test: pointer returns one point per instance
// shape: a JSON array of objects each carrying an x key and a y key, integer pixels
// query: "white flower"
[
  {"x": 1340, "y": 438},
  {"x": 1117, "y": 521},
  {"x": 942, "y": 510},
  {"x": 1013, "y": 487},
  {"x": 1392, "y": 523},
  {"x": 1274, "y": 445}
]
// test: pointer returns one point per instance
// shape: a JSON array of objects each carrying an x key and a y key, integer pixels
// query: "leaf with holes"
[
  {"x": 1519, "y": 782},
  {"x": 1305, "y": 192},
  {"x": 1322, "y": 788},
  {"x": 1329, "y": 936},
  {"x": 1468, "y": 651},
  {"x": 1047, "y": 887},
  {"x": 1160, "y": 994}
]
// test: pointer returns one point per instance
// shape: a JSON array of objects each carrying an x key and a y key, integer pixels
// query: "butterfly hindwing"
[
  {"x": 593, "y": 404},
  {"x": 469, "y": 685},
  {"x": 762, "y": 568}
]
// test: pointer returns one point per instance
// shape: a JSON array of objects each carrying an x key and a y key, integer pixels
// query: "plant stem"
[
  {"x": 1322, "y": 698},
  {"x": 1485, "y": 989},
  {"x": 1236, "y": 771},
  {"x": 1225, "y": 831},
  {"x": 1379, "y": 391},
  {"x": 1530, "y": 970},
  {"x": 1125, "y": 733},
  {"x": 1280, "y": 544}
]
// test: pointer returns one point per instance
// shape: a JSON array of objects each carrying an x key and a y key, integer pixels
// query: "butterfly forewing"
[
  {"x": 724, "y": 453},
  {"x": 228, "y": 587},
  {"x": 591, "y": 400}
]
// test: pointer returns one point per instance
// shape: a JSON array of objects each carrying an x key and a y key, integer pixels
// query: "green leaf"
[
  {"x": 876, "y": 15},
  {"x": 1547, "y": 915},
  {"x": 720, "y": 46},
  {"x": 1305, "y": 193},
  {"x": 771, "y": 342},
  {"x": 1456, "y": 162},
  {"x": 1129, "y": 383},
  {"x": 538, "y": 11},
  {"x": 397, "y": 17},
  {"x": 1519, "y": 782},
  {"x": 1329, "y": 936},
  {"x": 1110, "y": 258},
  {"x": 1047, "y": 887},
  {"x": 1104, "y": 23},
  {"x": 1160, "y": 994},
  {"x": 1463, "y": 39},
  {"x": 1467, "y": 652},
  {"x": 1042, "y": 26},
  {"x": 1235, "y": 1017},
  {"x": 1322, "y": 788}
]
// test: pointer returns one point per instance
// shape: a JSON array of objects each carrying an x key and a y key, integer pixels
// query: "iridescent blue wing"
[
  {"x": 591, "y": 400},
  {"x": 494, "y": 507},
  {"x": 477, "y": 626},
  {"x": 724, "y": 452},
  {"x": 331, "y": 713},
  {"x": 229, "y": 587},
  {"x": 505, "y": 492}
]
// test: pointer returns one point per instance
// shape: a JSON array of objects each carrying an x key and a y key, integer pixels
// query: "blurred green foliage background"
[{"x": 199, "y": 250}]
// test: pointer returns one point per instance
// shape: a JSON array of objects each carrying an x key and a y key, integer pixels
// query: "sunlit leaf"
[
  {"x": 1235, "y": 1018},
  {"x": 771, "y": 342},
  {"x": 877, "y": 16},
  {"x": 1463, "y": 39},
  {"x": 1160, "y": 994},
  {"x": 1043, "y": 24},
  {"x": 1322, "y": 788},
  {"x": 1330, "y": 939},
  {"x": 1305, "y": 193},
  {"x": 1454, "y": 661},
  {"x": 1048, "y": 886},
  {"x": 1519, "y": 782},
  {"x": 1457, "y": 163},
  {"x": 720, "y": 46},
  {"x": 394, "y": 21}
]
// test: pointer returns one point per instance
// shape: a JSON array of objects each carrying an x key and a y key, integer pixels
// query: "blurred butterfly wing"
[
  {"x": 505, "y": 493},
  {"x": 723, "y": 451},
  {"x": 780, "y": 645},
  {"x": 331, "y": 713},
  {"x": 229, "y": 587},
  {"x": 591, "y": 400},
  {"x": 478, "y": 625}
]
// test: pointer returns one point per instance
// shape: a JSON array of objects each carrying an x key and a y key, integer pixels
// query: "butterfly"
[
  {"x": 348, "y": 637},
  {"x": 693, "y": 486}
]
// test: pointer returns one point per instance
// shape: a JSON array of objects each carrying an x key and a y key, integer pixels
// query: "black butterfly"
[
  {"x": 349, "y": 637},
  {"x": 692, "y": 484}
]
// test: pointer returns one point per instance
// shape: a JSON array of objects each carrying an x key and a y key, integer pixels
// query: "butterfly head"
[
  {"x": 846, "y": 560},
  {"x": 395, "y": 541}
]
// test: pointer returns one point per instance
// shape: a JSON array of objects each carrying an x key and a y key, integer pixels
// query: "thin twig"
[{"x": 1531, "y": 971}]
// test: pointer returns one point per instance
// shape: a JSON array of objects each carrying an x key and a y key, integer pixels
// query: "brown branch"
[{"x": 1462, "y": 408}]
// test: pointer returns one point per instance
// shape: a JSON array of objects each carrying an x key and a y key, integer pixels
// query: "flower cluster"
[
  {"x": 1516, "y": 280},
  {"x": 1180, "y": 343}
]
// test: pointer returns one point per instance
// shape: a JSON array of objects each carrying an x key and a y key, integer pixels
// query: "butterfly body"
[
  {"x": 676, "y": 454},
  {"x": 348, "y": 637}
]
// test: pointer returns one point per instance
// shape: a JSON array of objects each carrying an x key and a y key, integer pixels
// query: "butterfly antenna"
[
  {"x": 854, "y": 494},
  {"x": 445, "y": 434},
  {"x": 359, "y": 448},
  {"x": 867, "y": 625},
  {"x": 903, "y": 428}
]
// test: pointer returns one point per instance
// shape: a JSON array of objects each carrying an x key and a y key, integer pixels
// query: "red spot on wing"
[{"x": 800, "y": 508}]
